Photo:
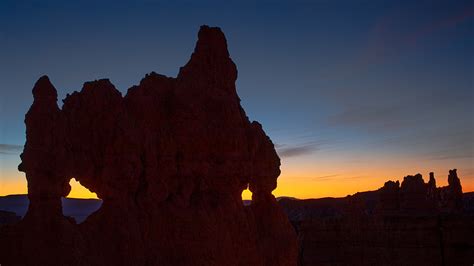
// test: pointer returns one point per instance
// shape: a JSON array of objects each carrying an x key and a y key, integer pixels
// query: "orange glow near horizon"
[
  {"x": 328, "y": 179},
  {"x": 295, "y": 181},
  {"x": 10, "y": 187},
  {"x": 18, "y": 185},
  {"x": 246, "y": 194},
  {"x": 79, "y": 191}
]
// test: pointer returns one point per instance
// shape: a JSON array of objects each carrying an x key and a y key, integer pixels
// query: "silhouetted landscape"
[
  {"x": 106, "y": 163},
  {"x": 414, "y": 223},
  {"x": 433, "y": 225},
  {"x": 169, "y": 160}
]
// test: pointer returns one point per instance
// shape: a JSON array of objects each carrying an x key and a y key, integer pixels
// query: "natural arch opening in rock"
[
  {"x": 79, "y": 191},
  {"x": 81, "y": 202},
  {"x": 246, "y": 197}
]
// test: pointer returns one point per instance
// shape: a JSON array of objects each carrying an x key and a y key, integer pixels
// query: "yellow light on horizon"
[
  {"x": 79, "y": 191},
  {"x": 299, "y": 182},
  {"x": 246, "y": 194},
  {"x": 13, "y": 186}
]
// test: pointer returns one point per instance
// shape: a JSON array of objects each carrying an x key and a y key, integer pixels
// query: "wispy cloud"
[
  {"x": 324, "y": 177},
  {"x": 296, "y": 151},
  {"x": 336, "y": 177},
  {"x": 387, "y": 41},
  {"x": 375, "y": 117},
  {"x": 440, "y": 24},
  {"x": 452, "y": 157},
  {"x": 285, "y": 150},
  {"x": 10, "y": 149},
  {"x": 463, "y": 150}
]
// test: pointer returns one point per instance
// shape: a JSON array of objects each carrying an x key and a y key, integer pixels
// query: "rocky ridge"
[{"x": 412, "y": 223}]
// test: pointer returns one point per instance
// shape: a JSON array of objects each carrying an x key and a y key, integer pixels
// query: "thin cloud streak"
[
  {"x": 324, "y": 177},
  {"x": 376, "y": 117},
  {"x": 296, "y": 151},
  {"x": 285, "y": 150},
  {"x": 10, "y": 149},
  {"x": 466, "y": 153},
  {"x": 336, "y": 177}
]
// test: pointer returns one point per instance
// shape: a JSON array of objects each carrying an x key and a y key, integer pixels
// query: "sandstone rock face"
[{"x": 170, "y": 160}]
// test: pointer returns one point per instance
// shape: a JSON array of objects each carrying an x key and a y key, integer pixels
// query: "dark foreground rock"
[
  {"x": 7, "y": 217},
  {"x": 409, "y": 224},
  {"x": 389, "y": 240},
  {"x": 170, "y": 160}
]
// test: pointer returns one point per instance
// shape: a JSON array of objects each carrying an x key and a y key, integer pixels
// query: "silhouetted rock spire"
[
  {"x": 44, "y": 90},
  {"x": 415, "y": 196},
  {"x": 389, "y": 201},
  {"x": 210, "y": 65},
  {"x": 451, "y": 196},
  {"x": 425, "y": 230}
]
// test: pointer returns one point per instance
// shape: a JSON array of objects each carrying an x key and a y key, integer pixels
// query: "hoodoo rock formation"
[
  {"x": 414, "y": 196},
  {"x": 170, "y": 160},
  {"x": 414, "y": 223}
]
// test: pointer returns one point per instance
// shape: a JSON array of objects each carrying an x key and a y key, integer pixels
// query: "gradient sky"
[{"x": 353, "y": 93}]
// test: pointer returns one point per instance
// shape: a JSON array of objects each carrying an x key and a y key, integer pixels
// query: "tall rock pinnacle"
[{"x": 44, "y": 90}]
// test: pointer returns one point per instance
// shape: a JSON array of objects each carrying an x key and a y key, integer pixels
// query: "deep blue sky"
[{"x": 352, "y": 92}]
